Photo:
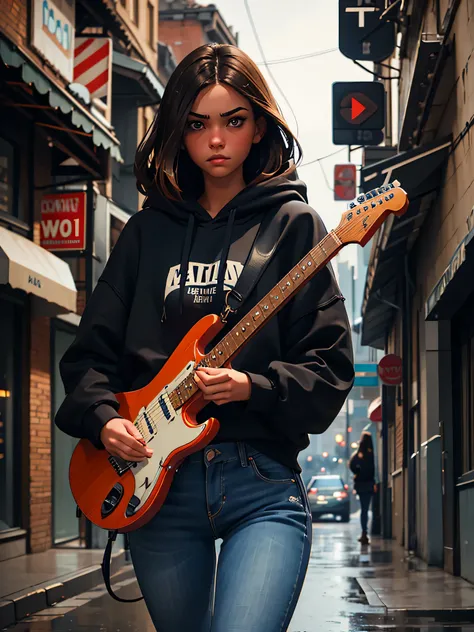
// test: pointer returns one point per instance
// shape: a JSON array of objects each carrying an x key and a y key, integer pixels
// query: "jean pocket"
[{"x": 271, "y": 471}]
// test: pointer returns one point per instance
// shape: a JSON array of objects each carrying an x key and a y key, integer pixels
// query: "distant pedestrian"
[{"x": 362, "y": 465}]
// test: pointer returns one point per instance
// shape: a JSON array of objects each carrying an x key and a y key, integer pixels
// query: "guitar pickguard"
[{"x": 170, "y": 432}]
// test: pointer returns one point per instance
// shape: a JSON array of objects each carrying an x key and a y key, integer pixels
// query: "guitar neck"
[
  {"x": 270, "y": 304},
  {"x": 358, "y": 225}
]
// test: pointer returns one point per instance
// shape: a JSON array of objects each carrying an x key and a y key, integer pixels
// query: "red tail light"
[
  {"x": 346, "y": 486},
  {"x": 340, "y": 495},
  {"x": 313, "y": 490}
]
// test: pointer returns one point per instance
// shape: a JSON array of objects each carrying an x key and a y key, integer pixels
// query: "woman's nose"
[{"x": 216, "y": 140}]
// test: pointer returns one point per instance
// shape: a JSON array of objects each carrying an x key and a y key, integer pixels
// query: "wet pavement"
[{"x": 348, "y": 588}]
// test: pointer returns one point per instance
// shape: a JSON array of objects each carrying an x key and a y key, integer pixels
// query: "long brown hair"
[{"x": 161, "y": 160}]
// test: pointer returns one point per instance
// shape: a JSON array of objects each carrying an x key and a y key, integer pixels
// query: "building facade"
[
  {"x": 78, "y": 83},
  {"x": 419, "y": 301},
  {"x": 185, "y": 25}
]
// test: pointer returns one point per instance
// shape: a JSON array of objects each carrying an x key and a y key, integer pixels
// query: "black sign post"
[
  {"x": 363, "y": 33},
  {"x": 358, "y": 113}
]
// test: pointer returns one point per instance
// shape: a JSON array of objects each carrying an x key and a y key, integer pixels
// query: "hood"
[{"x": 254, "y": 199}]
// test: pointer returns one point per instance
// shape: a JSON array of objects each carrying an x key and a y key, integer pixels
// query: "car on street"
[{"x": 328, "y": 494}]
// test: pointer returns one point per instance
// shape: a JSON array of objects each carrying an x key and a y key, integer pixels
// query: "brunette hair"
[
  {"x": 161, "y": 160},
  {"x": 366, "y": 445}
]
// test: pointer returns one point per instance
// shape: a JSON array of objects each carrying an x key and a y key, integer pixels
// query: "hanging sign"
[
  {"x": 390, "y": 370},
  {"x": 63, "y": 221}
]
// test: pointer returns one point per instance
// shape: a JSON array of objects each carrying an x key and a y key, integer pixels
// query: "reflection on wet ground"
[{"x": 347, "y": 589}]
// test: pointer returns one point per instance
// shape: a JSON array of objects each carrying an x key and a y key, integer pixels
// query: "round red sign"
[{"x": 390, "y": 370}]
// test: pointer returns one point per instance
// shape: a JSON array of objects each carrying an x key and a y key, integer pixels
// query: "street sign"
[
  {"x": 63, "y": 221},
  {"x": 358, "y": 112},
  {"x": 366, "y": 374},
  {"x": 344, "y": 182},
  {"x": 390, "y": 370},
  {"x": 363, "y": 34}
]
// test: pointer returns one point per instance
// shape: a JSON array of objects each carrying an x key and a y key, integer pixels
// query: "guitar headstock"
[{"x": 361, "y": 221}]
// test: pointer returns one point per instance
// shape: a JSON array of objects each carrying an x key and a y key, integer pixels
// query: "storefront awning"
[
  {"x": 59, "y": 98},
  {"x": 419, "y": 172},
  {"x": 374, "y": 412},
  {"x": 29, "y": 267},
  {"x": 145, "y": 88},
  {"x": 449, "y": 293}
]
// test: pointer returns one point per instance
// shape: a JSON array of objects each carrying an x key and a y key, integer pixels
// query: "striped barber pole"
[{"x": 92, "y": 59}]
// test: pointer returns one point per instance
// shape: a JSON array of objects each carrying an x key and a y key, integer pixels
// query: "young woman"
[
  {"x": 362, "y": 465},
  {"x": 215, "y": 162}
]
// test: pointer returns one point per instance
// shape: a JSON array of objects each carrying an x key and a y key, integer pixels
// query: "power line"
[
  {"x": 286, "y": 60},
  {"x": 265, "y": 63},
  {"x": 325, "y": 176},
  {"x": 311, "y": 162}
]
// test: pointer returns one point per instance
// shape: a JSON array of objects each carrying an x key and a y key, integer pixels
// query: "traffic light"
[{"x": 358, "y": 112}]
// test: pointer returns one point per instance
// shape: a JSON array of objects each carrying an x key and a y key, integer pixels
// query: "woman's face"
[{"x": 221, "y": 123}]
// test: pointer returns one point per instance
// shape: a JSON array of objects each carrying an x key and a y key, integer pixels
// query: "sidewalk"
[
  {"x": 400, "y": 583},
  {"x": 31, "y": 583},
  {"x": 375, "y": 587}
]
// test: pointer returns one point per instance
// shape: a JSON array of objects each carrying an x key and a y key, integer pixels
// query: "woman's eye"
[
  {"x": 236, "y": 121},
  {"x": 192, "y": 124}
]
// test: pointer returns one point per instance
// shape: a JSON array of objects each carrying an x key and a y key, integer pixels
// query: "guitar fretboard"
[{"x": 248, "y": 326}]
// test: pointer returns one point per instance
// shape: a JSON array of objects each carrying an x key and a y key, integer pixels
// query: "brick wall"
[
  {"x": 183, "y": 36},
  {"x": 40, "y": 436},
  {"x": 13, "y": 20}
]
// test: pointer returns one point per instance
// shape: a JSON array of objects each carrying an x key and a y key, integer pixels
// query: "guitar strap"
[{"x": 258, "y": 258}]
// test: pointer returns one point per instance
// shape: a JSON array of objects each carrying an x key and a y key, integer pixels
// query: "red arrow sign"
[{"x": 356, "y": 108}]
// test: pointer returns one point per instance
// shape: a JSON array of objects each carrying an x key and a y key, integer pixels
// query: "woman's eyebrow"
[{"x": 224, "y": 114}]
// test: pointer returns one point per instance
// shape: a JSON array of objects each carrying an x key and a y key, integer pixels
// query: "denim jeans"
[
  {"x": 260, "y": 510},
  {"x": 365, "y": 498}
]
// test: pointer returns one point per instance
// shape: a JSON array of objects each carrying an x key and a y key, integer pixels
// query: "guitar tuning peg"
[
  {"x": 352, "y": 205},
  {"x": 361, "y": 199},
  {"x": 396, "y": 183}
]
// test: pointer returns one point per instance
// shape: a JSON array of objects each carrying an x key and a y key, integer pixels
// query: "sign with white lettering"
[
  {"x": 363, "y": 33},
  {"x": 63, "y": 221},
  {"x": 52, "y": 33}
]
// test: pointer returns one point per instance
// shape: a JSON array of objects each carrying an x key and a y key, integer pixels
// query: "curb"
[
  {"x": 22, "y": 604},
  {"x": 447, "y": 615}
]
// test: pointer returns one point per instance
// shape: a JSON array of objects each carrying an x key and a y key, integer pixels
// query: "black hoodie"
[{"x": 300, "y": 363}]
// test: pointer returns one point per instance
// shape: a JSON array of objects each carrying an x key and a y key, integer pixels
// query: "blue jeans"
[
  {"x": 260, "y": 510},
  {"x": 365, "y": 498}
]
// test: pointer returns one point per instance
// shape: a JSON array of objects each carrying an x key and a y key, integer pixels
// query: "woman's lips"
[{"x": 217, "y": 161}]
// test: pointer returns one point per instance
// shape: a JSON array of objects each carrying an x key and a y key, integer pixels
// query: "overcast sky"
[{"x": 289, "y": 29}]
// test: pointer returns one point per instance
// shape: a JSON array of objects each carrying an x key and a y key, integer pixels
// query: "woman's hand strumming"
[
  {"x": 121, "y": 438},
  {"x": 222, "y": 386}
]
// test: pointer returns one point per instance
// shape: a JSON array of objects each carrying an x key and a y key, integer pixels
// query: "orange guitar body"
[{"x": 93, "y": 478}]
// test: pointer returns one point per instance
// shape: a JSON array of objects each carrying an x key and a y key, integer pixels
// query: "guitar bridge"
[{"x": 120, "y": 465}]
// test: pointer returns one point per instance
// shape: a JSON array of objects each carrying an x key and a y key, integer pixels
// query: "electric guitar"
[{"x": 123, "y": 495}]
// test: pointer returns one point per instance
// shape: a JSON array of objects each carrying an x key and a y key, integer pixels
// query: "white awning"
[{"x": 29, "y": 267}]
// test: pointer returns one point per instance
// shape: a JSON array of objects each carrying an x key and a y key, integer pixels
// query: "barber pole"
[{"x": 92, "y": 62}]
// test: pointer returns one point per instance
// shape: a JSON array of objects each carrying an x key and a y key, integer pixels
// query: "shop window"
[
  {"x": 463, "y": 373},
  {"x": 65, "y": 522},
  {"x": 10, "y": 319},
  {"x": 7, "y": 159}
]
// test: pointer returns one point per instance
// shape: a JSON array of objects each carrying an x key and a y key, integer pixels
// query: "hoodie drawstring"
[
  {"x": 225, "y": 250},
  {"x": 183, "y": 270}
]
